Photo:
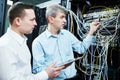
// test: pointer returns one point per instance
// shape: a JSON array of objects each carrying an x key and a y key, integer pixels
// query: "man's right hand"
[{"x": 53, "y": 71}]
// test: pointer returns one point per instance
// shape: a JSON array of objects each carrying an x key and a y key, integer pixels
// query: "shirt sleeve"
[
  {"x": 42, "y": 75},
  {"x": 38, "y": 57},
  {"x": 81, "y": 46}
]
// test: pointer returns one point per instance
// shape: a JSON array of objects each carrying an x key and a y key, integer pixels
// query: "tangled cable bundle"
[{"x": 94, "y": 61}]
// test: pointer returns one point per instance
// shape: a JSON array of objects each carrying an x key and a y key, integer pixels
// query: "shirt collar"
[
  {"x": 20, "y": 39},
  {"x": 49, "y": 34}
]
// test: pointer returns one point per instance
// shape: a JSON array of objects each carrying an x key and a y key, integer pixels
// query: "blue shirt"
[{"x": 48, "y": 48}]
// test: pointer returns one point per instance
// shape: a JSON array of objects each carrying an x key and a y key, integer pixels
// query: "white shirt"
[{"x": 15, "y": 59}]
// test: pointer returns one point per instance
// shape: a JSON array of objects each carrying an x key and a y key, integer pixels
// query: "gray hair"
[{"x": 52, "y": 10}]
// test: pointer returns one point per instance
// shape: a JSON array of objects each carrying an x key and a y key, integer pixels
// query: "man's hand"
[
  {"x": 53, "y": 71},
  {"x": 93, "y": 27}
]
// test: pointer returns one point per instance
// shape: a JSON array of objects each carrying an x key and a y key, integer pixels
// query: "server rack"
[{"x": 3, "y": 4}]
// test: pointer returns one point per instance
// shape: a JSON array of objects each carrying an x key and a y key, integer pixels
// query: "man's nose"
[
  {"x": 35, "y": 23},
  {"x": 65, "y": 20}
]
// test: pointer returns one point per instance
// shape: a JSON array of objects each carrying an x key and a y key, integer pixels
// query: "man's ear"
[
  {"x": 17, "y": 21},
  {"x": 50, "y": 19}
]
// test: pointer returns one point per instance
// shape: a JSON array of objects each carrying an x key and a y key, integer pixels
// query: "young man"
[
  {"x": 58, "y": 44},
  {"x": 14, "y": 54}
]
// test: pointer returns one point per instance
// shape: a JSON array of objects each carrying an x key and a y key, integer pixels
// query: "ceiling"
[{"x": 35, "y": 2}]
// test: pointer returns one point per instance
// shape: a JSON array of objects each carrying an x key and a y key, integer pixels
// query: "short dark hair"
[{"x": 17, "y": 10}]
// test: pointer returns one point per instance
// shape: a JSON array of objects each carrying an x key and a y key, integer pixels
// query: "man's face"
[
  {"x": 59, "y": 21},
  {"x": 28, "y": 22}
]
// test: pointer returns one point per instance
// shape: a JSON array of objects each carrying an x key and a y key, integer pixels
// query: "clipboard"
[{"x": 69, "y": 62}]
